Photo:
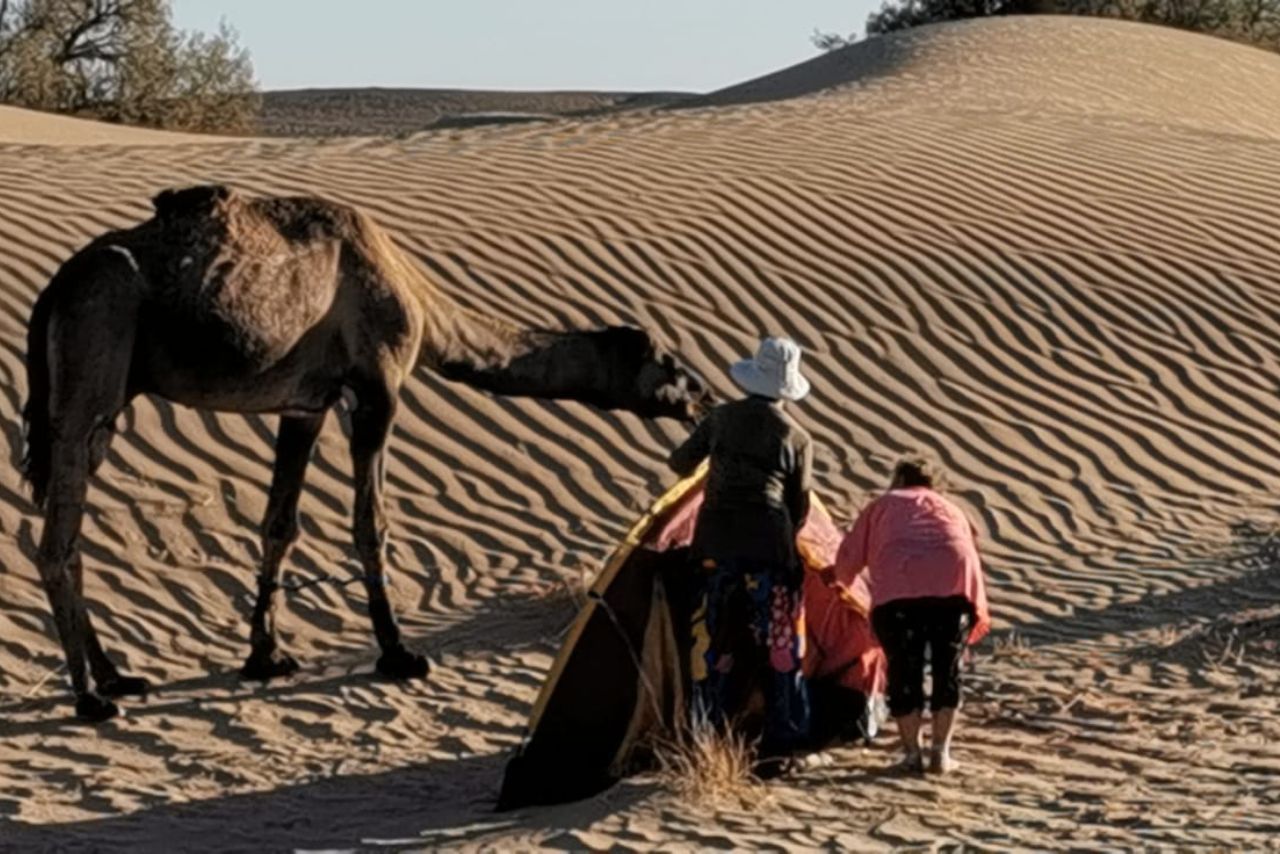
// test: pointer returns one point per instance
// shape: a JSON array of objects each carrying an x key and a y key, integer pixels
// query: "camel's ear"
[{"x": 190, "y": 200}]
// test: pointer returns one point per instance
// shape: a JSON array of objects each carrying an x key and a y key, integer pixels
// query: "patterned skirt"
[{"x": 748, "y": 645}]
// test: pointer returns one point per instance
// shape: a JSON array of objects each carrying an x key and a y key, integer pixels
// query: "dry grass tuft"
[
  {"x": 571, "y": 586},
  {"x": 577, "y": 586},
  {"x": 1234, "y": 641},
  {"x": 570, "y": 591},
  {"x": 710, "y": 768},
  {"x": 1012, "y": 646}
]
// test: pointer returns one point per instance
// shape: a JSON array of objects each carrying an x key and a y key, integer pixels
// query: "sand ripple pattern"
[{"x": 1064, "y": 287}]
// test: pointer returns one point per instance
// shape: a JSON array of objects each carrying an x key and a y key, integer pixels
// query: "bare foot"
[
  {"x": 942, "y": 763},
  {"x": 911, "y": 763}
]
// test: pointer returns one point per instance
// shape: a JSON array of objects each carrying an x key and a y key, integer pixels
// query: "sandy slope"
[
  {"x": 1046, "y": 248},
  {"x": 29, "y": 127}
]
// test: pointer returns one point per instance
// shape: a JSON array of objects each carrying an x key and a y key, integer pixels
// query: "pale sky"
[{"x": 691, "y": 45}]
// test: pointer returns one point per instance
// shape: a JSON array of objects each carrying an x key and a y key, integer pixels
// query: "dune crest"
[
  {"x": 32, "y": 127},
  {"x": 1077, "y": 66},
  {"x": 1046, "y": 248}
]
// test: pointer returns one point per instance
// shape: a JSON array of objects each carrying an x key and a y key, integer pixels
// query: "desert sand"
[{"x": 1046, "y": 248}]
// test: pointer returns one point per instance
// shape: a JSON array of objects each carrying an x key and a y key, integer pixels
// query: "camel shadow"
[
  {"x": 423, "y": 806},
  {"x": 498, "y": 626}
]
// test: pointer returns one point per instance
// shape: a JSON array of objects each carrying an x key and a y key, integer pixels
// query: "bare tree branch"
[{"x": 100, "y": 14}]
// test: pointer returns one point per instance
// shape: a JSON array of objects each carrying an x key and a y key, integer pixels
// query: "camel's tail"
[{"x": 36, "y": 457}]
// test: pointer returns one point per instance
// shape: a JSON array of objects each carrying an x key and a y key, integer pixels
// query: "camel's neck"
[
  {"x": 489, "y": 354},
  {"x": 601, "y": 368}
]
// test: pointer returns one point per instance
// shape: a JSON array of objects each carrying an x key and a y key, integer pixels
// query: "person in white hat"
[{"x": 756, "y": 499}]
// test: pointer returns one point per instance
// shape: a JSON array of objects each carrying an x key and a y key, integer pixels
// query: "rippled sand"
[{"x": 1047, "y": 248}]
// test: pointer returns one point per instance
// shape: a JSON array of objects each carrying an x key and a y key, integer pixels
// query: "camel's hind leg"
[
  {"x": 89, "y": 346},
  {"x": 370, "y": 428},
  {"x": 294, "y": 444},
  {"x": 106, "y": 676},
  {"x": 57, "y": 559}
]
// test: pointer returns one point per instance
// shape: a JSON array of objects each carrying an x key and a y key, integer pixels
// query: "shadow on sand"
[
  {"x": 1256, "y": 585},
  {"x": 438, "y": 802},
  {"x": 452, "y": 801},
  {"x": 445, "y": 802}
]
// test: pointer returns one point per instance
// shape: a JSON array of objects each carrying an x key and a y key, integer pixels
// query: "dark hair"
[{"x": 917, "y": 470}]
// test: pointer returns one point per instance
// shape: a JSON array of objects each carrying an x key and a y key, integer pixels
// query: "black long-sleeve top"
[{"x": 757, "y": 492}]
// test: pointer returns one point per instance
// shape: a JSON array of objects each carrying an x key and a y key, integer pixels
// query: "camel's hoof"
[
  {"x": 124, "y": 686},
  {"x": 399, "y": 663},
  {"x": 94, "y": 709},
  {"x": 263, "y": 667}
]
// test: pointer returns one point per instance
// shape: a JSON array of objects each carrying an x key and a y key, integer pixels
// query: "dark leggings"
[{"x": 905, "y": 627}]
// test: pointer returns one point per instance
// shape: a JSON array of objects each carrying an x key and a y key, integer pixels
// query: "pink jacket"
[{"x": 916, "y": 543}]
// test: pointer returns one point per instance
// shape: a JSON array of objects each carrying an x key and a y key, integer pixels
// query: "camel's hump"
[{"x": 295, "y": 218}]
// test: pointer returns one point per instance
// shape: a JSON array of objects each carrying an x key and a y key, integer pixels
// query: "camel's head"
[{"x": 651, "y": 381}]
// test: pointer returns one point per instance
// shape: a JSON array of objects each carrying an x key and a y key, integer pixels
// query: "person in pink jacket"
[{"x": 927, "y": 592}]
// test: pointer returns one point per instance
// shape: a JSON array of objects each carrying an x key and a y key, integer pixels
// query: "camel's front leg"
[
  {"x": 370, "y": 428},
  {"x": 294, "y": 445}
]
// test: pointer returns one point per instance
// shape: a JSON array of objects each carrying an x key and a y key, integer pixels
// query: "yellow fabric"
[{"x": 701, "y": 644}]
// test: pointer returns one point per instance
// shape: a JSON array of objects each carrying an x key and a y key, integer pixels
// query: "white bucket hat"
[{"x": 773, "y": 372}]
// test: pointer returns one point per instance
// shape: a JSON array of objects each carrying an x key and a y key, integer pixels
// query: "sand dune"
[
  {"x": 1046, "y": 248},
  {"x": 1079, "y": 67},
  {"x": 30, "y": 127}
]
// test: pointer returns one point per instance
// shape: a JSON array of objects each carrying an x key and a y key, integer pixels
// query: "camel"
[{"x": 227, "y": 302}]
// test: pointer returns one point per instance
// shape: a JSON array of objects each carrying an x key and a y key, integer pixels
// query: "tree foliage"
[
  {"x": 123, "y": 61},
  {"x": 1255, "y": 22},
  {"x": 905, "y": 14}
]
